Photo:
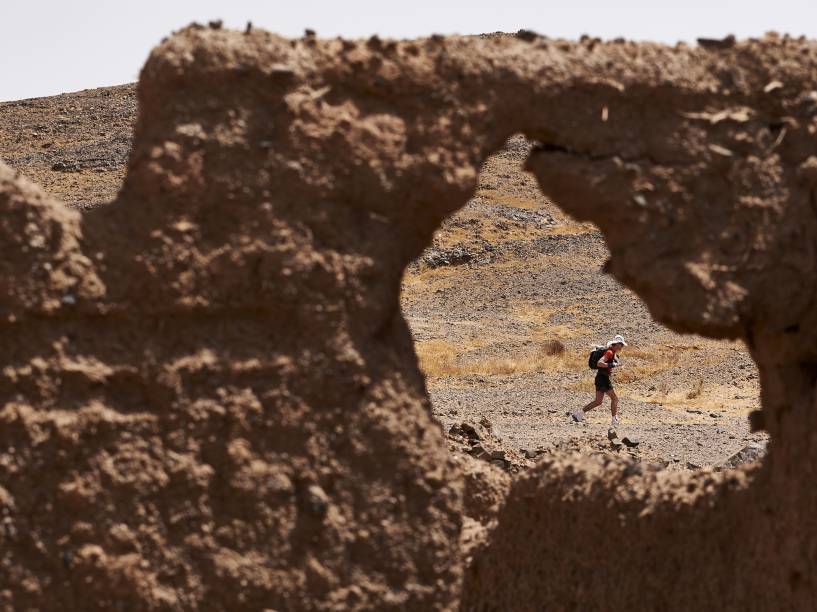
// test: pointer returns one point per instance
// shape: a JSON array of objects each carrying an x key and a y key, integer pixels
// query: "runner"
[{"x": 604, "y": 382}]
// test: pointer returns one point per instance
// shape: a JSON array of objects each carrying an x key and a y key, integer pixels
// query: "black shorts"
[{"x": 603, "y": 382}]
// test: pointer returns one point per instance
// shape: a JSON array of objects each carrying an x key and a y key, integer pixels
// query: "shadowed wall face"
[{"x": 211, "y": 380}]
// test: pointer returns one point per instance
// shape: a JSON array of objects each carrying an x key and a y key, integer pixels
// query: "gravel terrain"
[
  {"x": 510, "y": 273},
  {"x": 74, "y": 145}
]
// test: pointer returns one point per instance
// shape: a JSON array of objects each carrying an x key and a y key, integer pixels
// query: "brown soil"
[
  {"x": 75, "y": 145},
  {"x": 211, "y": 399}
]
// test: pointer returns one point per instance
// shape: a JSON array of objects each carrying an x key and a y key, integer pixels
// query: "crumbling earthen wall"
[{"x": 210, "y": 397}]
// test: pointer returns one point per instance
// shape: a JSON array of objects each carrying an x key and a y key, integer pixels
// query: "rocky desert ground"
[
  {"x": 504, "y": 306},
  {"x": 510, "y": 299}
]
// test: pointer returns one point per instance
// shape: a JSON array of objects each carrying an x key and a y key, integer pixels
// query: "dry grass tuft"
[
  {"x": 553, "y": 347},
  {"x": 696, "y": 390},
  {"x": 441, "y": 358},
  {"x": 506, "y": 199}
]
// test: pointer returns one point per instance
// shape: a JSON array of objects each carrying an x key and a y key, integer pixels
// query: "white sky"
[{"x": 53, "y": 46}]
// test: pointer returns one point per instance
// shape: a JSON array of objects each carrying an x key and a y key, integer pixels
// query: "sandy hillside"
[{"x": 504, "y": 306}]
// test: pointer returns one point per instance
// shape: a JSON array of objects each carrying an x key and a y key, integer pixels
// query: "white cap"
[{"x": 617, "y": 339}]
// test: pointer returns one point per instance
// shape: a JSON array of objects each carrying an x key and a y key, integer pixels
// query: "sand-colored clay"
[{"x": 210, "y": 397}]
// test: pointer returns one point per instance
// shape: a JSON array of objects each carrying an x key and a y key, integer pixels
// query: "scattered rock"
[
  {"x": 455, "y": 256},
  {"x": 754, "y": 451},
  {"x": 717, "y": 43},
  {"x": 317, "y": 501},
  {"x": 633, "y": 469},
  {"x": 479, "y": 452},
  {"x": 66, "y": 167},
  {"x": 772, "y": 86},
  {"x": 465, "y": 429},
  {"x": 631, "y": 441}
]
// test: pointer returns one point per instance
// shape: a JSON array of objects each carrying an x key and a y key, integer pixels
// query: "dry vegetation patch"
[{"x": 443, "y": 358}]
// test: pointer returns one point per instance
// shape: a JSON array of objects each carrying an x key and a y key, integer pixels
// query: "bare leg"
[
  {"x": 613, "y": 402},
  {"x": 596, "y": 402}
]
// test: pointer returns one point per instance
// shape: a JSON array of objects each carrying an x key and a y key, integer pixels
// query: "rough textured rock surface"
[
  {"x": 210, "y": 397},
  {"x": 486, "y": 487}
]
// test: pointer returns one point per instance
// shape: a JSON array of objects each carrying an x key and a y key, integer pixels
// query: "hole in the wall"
[{"x": 506, "y": 304}]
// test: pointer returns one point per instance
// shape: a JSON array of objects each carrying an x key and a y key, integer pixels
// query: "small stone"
[
  {"x": 693, "y": 466},
  {"x": 772, "y": 86},
  {"x": 714, "y": 415},
  {"x": 498, "y": 463},
  {"x": 640, "y": 200},
  {"x": 749, "y": 453},
  {"x": 527, "y": 35},
  {"x": 470, "y": 431},
  {"x": 479, "y": 452},
  {"x": 633, "y": 469},
  {"x": 631, "y": 441},
  {"x": 718, "y": 43},
  {"x": 722, "y": 151},
  {"x": 317, "y": 501}
]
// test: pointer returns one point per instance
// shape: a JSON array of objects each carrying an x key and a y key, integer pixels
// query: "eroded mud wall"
[{"x": 210, "y": 397}]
